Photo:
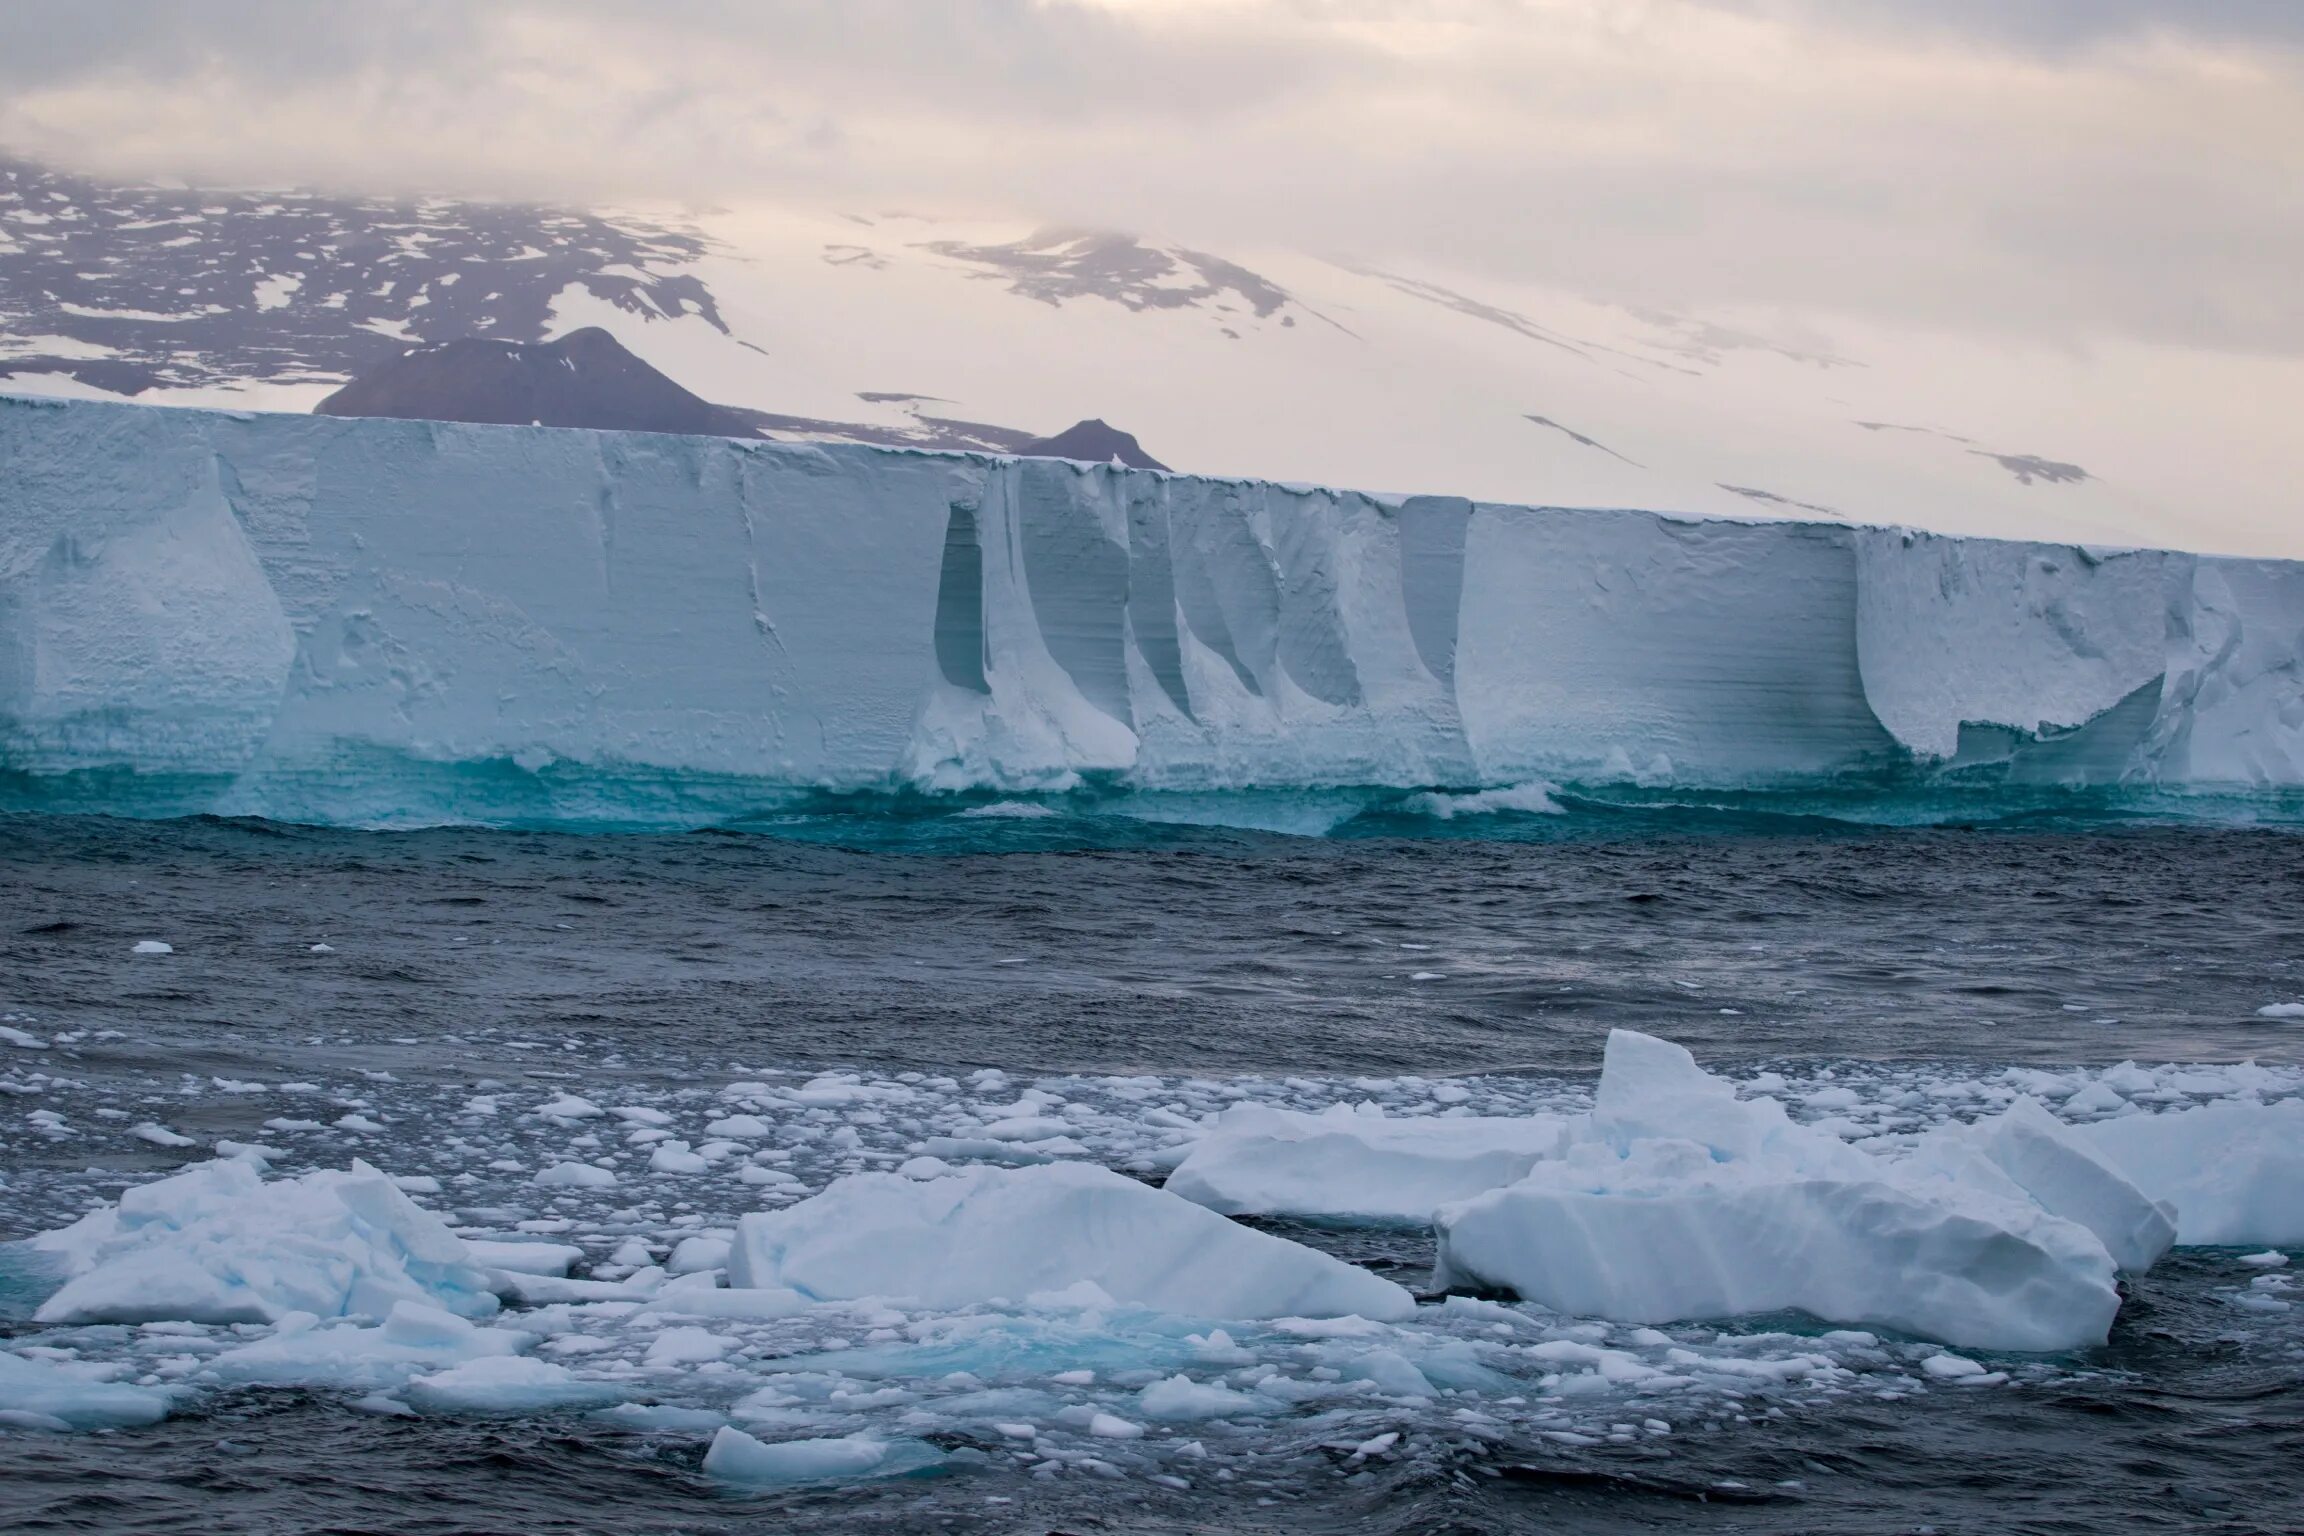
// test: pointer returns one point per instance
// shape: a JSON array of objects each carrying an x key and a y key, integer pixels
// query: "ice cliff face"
[{"x": 307, "y": 616}]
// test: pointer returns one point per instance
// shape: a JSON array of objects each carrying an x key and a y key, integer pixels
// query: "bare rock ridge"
[
  {"x": 589, "y": 379},
  {"x": 585, "y": 379},
  {"x": 1094, "y": 441}
]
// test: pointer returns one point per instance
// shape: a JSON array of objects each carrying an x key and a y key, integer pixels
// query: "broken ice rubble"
[{"x": 1357, "y": 1166}]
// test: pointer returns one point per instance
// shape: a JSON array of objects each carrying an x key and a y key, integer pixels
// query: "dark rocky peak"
[
  {"x": 585, "y": 379},
  {"x": 1096, "y": 442}
]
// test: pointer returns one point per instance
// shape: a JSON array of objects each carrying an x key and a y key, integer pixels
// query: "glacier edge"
[{"x": 253, "y": 606}]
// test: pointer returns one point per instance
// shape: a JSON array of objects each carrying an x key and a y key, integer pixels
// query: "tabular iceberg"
[{"x": 347, "y": 620}]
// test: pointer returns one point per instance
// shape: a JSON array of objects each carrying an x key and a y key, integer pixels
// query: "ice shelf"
[{"x": 347, "y": 620}]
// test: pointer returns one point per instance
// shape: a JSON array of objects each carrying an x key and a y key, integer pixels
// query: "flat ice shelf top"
[{"x": 352, "y": 620}]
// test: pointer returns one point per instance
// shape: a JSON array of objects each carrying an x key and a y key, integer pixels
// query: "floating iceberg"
[
  {"x": 364, "y": 621},
  {"x": 218, "y": 1244},
  {"x": 2234, "y": 1171},
  {"x": 987, "y": 1233},
  {"x": 1686, "y": 1203},
  {"x": 1349, "y": 1167}
]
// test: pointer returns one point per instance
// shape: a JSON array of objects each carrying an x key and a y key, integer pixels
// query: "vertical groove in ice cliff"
[
  {"x": 1152, "y": 601},
  {"x": 1077, "y": 576},
  {"x": 1432, "y": 577},
  {"x": 960, "y": 604}
]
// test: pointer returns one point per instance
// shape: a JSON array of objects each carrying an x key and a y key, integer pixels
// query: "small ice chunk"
[
  {"x": 160, "y": 1136},
  {"x": 1950, "y": 1367},
  {"x": 738, "y": 1304},
  {"x": 2281, "y": 1011},
  {"x": 686, "y": 1346},
  {"x": 676, "y": 1157},
  {"x": 507, "y": 1384},
  {"x": 1109, "y": 1426},
  {"x": 986, "y": 1232},
  {"x": 153, "y": 947},
  {"x": 695, "y": 1255},
  {"x": 2271, "y": 1258},
  {"x": 576, "y": 1176},
  {"x": 1179, "y": 1397},
  {"x": 2098, "y": 1098},
  {"x": 524, "y": 1258},
  {"x": 739, "y": 1458},
  {"x": 61, "y": 1397}
]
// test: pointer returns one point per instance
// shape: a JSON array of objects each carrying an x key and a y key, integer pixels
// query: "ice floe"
[
  {"x": 218, "y": 1244},
  {"x": 985, "y": 1233}
]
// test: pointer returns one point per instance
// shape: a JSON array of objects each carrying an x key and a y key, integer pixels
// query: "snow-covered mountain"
[{"x": 897, "y": 328}]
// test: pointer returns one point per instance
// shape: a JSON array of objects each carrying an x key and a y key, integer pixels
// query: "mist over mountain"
[{"x": 903, "y": 330}]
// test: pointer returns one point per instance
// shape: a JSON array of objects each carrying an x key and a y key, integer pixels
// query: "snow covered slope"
[
  {"x": 363, "y": 620},
  {"x": 870, "y": 326}
]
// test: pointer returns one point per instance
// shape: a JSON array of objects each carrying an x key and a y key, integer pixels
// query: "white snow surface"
[
  {"x": 984, "y": 1234},
  {"x": 375, "y": 621}
]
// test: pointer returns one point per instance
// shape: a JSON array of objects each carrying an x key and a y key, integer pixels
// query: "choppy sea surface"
[{"x": 869, "y": 983}]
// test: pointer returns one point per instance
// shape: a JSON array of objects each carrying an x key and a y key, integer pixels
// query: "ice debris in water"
[
  {"x": 37, "y": 1394},
  {"x": 982, "y": 1233},
  {"x": 217, "y": 1244},
  {"x": 739, "y": 1458},
  {"x": 1051, "y": 1371},
  {"x": 1357, "y": 1165},
  {"x": 154, "y": 947}
]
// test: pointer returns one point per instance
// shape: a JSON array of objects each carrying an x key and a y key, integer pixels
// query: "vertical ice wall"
[{"x": 280, "y": 605}]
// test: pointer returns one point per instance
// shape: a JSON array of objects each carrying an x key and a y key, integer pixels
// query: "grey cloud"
[
  {"x": 2049, "y": 26},
  {"x": 50, "y": 42},
  {"x": 1674, "y": 153}
]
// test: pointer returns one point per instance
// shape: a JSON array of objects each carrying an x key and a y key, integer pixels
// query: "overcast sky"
[{"x": 2067, "y": 169}]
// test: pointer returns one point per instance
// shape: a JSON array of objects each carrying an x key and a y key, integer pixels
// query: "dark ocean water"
[{"x": 1037, "y": 947}]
